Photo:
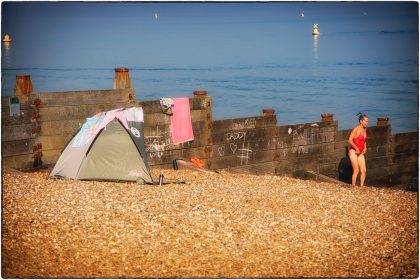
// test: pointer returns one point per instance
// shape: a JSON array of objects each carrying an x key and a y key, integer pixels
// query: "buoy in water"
[
  {"x": 7, "y": 38},
  {"x": 315, "y": 30}
]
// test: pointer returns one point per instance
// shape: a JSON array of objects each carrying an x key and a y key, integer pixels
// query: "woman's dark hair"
[{"x": 361, "y": 116}]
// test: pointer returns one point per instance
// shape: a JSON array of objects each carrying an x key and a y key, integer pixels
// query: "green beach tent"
[{"x": 109, "y": 146}]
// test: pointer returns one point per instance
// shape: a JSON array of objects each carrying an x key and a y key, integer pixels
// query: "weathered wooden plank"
[
  {"x": 24, "y": 118},
  {"x": 343, "y": 135},
  {"x": 21, "y": 162},
  {"x": 328, "y": 126},
  {"x": 378, "y": 151},
  {"x": 242, "y": 123},
  {"x": 221, "y": 150},
  {"x": 156, "y": 119},
  {"x": 61, "y": 127},
  {"x": 199, "y": 115},
  {"x": 18, "y": 147},
  {"x": 230, "y": 148},
  {"x": 306, "y": 151},
  {"x": 76, "y": 112},
  {"x": 402, "y": 177},
  {"x": 54, "y": 142},
  {"x": 311, "y": 161},
  {"x": 405, "y": 168},
  {"x": 50, "y": 157},
  {"x": 153, "y": 119},
  {"x": 153, "y": 106},
  {"x": 86, "y": 97},
  {"x": 378, "y": 131},
  {"x": 377, "y": 162},
  {"x": 17, "y": 132},
  {"x": 378, "y": 176},
  {"x": 412, "y": 158},
  {"x": 243, "y": 135},
  {"x": 25, "y": 161},
  {"x": 160, "y": 136},
  {"x": 153, "y": 144},
  {"x": 377, "y": 141},
  {"x": 406, "y": 148},
  {"x": 407, "y": 137},
  {"x": 301, "y": 135},
  {"x": 242, "y": 157},
  {"x": 5, "y": 104},
  {"x": 270, "y": 120}
]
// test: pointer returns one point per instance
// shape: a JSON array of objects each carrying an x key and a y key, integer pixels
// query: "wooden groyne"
[{"x": 45, "y": 121}]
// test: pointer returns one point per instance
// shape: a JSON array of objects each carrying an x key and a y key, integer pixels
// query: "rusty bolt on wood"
[
  {"x": 382, "y": 121},
  {"x": 35, "y": 117},
  {"x": 268, "y": 112},
  {"x": 36, "y": 103},
  {"x": 327, "y": 117},
  {"x": 200, "y": 93},
  {"x": 37, "y": 147},
  {"x": 36, "y": 130}
]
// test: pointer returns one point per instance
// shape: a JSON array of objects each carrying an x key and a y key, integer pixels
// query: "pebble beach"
[{"x": 221, "y": 225}]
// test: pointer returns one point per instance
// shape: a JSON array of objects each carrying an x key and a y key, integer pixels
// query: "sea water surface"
[{"x": 247, "y": 56}]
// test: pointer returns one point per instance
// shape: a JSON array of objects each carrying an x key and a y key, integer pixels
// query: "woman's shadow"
[{"x": 345, "y": 170}]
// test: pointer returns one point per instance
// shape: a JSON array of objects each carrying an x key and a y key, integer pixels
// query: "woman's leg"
[
  {"x": 355, "y": 165},
  {"x": 362, "y": 166}
]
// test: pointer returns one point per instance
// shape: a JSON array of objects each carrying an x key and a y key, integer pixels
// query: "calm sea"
[{"x": 247, "y": 56}]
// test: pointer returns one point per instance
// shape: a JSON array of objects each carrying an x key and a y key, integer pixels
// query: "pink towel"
[{"x": 181, "y": 127}]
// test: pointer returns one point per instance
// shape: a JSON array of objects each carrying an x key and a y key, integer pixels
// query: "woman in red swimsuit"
[{"x": 357, "y": 149}]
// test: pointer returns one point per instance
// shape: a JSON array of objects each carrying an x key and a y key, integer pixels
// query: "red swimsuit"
[{"x": 360, "y": 142}]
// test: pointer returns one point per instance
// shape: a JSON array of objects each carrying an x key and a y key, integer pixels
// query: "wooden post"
[
  {"x": 122, "y": 78},
  {"x": 383, "y": 121},
  {"x": 206, "y": 129},
  {"x": 327, "y": 117},
  {"x": 23, "y": 87},
  {"x": 200, "y": 93},
  {"x": 268, "y": 112}
]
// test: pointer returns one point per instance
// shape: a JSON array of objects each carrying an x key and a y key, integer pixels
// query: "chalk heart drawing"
[
  {"x": 221, "y": 150},
  {"x": 233, "y": 147}
]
